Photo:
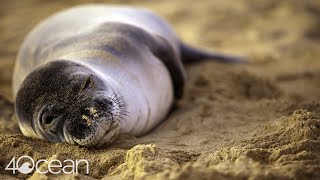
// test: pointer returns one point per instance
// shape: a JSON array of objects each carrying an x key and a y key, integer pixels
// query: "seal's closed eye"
[
  {"x": 49, "y": 120},
  {"x": 88, "y": 83}
]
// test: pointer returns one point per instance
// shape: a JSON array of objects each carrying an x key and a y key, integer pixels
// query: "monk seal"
[{"x": 88, "y": 73}]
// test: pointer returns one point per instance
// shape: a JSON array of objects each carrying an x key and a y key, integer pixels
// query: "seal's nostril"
[{"x": 79, "y": 129}]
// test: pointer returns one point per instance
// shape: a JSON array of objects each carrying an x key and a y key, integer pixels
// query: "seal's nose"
[{"x": 79, "y": 128}]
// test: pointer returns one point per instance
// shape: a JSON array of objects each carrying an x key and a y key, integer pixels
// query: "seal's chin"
[{"x": 101, "y": 132}]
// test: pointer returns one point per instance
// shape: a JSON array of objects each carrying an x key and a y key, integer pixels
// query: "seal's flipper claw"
[{"x": 191, "y": 55}]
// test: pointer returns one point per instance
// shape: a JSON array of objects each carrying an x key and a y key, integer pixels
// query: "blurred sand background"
[{"x": 257, "y": 121}]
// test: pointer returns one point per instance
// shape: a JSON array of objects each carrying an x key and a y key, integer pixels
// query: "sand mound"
[{"x": 283, "y": 148}]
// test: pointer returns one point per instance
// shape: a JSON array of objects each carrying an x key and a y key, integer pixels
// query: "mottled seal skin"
[
  {"x": 86, "y": 74},
  {"x": 62, "y": 90}
]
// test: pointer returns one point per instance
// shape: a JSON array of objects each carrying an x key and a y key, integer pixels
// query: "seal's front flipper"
[{"x": 190, "y": 54}]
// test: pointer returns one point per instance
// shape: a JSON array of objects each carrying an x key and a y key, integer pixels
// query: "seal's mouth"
[
  {"x": 101, "y": 132},
  {"x": 98, "y": 124}
]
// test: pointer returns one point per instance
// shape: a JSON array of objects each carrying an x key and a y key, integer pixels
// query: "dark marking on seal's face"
[{"x": 65, "y": 101}]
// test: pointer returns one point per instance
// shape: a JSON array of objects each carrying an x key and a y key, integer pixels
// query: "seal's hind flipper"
[{"x": 191, "y": 54}]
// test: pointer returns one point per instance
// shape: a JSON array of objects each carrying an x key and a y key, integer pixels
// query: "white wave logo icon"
[{"x": 25, "y": 168}]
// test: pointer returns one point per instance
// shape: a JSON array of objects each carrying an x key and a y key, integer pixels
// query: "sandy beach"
[{"x": 250, "y": 121}]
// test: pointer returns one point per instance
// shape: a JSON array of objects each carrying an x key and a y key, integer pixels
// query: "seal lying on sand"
[{"x": 91, "y": 72}]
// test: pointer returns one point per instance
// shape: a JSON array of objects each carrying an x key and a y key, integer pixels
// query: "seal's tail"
[{"x": 191, "y": 54}]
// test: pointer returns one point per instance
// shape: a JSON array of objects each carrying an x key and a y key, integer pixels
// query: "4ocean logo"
[{"x": 25, "y": 165}]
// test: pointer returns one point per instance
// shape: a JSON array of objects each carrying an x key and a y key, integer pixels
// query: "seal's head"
[{"x": 65, "y": 101}]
